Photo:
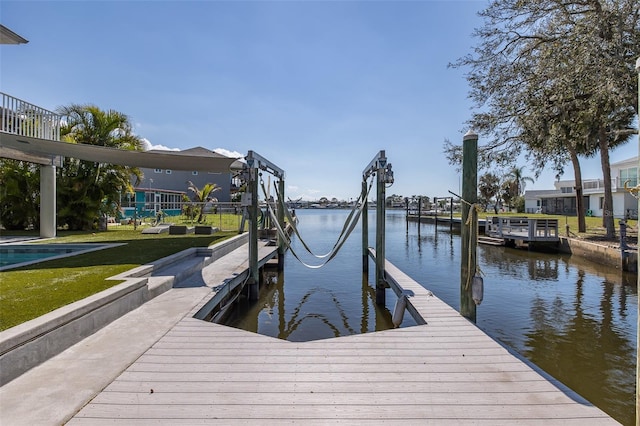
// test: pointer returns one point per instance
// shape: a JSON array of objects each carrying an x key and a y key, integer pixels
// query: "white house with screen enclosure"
[{"x": 562, "y": 199}]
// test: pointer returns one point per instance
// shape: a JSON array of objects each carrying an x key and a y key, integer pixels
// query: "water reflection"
[
  {"x": 575, "y": 319},
  {"x": 319, "y": 313},
  {"x": 585, "y": 350}
]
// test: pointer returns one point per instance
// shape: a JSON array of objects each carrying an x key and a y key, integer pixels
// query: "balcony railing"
[
  {"x": 597, "y": 185},
  {"x": 24, "y": 119}
]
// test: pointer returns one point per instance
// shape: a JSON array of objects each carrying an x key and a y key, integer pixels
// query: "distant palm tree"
[
  {"x": 519, "y": 180},
  {"x": 203, "y": 195}
]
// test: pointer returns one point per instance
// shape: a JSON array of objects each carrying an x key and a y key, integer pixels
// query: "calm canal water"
[{"x": 574, "y": 319}]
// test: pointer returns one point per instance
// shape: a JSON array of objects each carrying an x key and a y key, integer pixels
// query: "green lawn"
[
  {"x": 222, "y": 220},
  {"x": 31, "y": 291}
]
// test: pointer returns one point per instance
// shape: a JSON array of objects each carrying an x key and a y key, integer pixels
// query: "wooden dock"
[
  {"x": 445, "y": 371},
  {"x": 534, "y": 230}
]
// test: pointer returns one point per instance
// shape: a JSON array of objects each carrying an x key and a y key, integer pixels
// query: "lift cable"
[
  {"x": 359, "y": 202},
  {"x": 341, "y": 240}
]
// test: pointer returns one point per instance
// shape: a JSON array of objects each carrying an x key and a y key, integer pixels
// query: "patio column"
[{"x": 47, "y": 201}]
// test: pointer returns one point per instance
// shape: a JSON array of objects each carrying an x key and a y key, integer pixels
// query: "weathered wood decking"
[{"x": 444, "y": 372}]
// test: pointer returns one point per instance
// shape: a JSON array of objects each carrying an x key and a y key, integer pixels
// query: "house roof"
[
  {"x": 9, "y": 37},
  {"x": 627, "y": 161},
  {"x": 202, "y": 152}
]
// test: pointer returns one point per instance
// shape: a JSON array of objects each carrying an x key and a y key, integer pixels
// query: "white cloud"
[
  {"x": 227, "y": 153},
  {"x": 146, "y": 144}
]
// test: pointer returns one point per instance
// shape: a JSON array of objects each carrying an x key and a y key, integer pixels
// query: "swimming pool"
[{"x": 16, "y": 255}]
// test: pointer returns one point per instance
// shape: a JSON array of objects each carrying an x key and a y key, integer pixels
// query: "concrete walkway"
[{"x": 51, "y": 393}]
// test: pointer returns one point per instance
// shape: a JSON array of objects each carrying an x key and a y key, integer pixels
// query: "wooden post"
[
  {"x": 468, "y": 247},
  {"x": 281, "y": 241},
  {"x": 406, "y": 202},
  {"x": 365, "y": 230},
  {"x": 419, "y": 214},
  {"x": 638, "y": 327},
  {"x": 381, "y": 283},
  {"x": 450, "y": 214},
  {"x": 435, "y": 202}
]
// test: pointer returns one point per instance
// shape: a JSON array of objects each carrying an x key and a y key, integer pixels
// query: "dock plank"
[{"x": 446, "y": 372}]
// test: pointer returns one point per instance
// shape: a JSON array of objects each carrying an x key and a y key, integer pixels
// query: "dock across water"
[{"x": 160, "y": 365}]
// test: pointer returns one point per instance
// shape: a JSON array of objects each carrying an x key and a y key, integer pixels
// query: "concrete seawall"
[{"x": 600, "y": 253}]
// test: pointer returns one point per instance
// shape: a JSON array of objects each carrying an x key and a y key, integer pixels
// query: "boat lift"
[
  {"x": 256, "y": 162},
  {"x": 384, "y": 174}
]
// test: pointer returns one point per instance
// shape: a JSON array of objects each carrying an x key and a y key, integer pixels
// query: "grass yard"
[
  {"x": 29, "y": 292},
  {"x": 222, "y": 220}
]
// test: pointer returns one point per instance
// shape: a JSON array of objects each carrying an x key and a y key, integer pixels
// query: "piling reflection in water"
[
  {"x": 318, "y": 314},
  {"x": 574, "y": 319}
]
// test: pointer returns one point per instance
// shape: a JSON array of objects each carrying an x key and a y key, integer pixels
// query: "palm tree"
[
  {"x": 19, "y": 194},
  {"x": 88, "y": 190},
  {"x": 203, "y": 195},
  {"x": 519, "y": 180}
]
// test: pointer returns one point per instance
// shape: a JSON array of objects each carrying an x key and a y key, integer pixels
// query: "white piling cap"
[{"x": 470, "y": 135}]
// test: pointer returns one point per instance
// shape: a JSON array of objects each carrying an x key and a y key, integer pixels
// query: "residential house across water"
[{"x": 562, "y": 199}]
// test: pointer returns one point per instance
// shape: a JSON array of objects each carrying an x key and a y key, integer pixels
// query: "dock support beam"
[
  {"x": 468, "y": 247},
  {"x": 365, "y": 229},
  {"x": 381, "y": 281},
  {"x": 281, "y": 241},
  {"x": 254, "y": 271}
]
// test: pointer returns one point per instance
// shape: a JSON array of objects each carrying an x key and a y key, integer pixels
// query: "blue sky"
[{"x": 317, "y": 87}]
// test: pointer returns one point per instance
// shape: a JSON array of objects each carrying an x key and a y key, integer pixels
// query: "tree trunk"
[
  {"x": 577, "y": 173},
  {"x": 607, "y": 208}
]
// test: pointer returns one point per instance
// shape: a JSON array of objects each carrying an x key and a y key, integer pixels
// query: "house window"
[
  {"x": 168, "y": 171},
  {"x": 601, "y": 203},
  {"x": 630, "y": 174},
  {"x": 195, "y": 173},
  {"x": 157, "y": 170},
  {"x": 566, "y": 189}
]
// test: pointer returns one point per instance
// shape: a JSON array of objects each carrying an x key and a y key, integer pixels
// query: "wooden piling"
[{"x": 468, "y": 238}]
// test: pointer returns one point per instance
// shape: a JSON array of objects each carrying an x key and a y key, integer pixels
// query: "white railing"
[
  {"x": 24, "y": 119},
  {"x": 523, "y": 228},
  {"x": 591, "y": 186}
]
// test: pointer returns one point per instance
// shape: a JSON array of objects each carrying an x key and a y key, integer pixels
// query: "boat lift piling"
[
  {"x": 384, "y": 176},
  {"x": 256, "y": 162}
]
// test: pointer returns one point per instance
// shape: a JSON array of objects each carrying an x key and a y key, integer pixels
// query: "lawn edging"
[{"x": 29, "y": 344}]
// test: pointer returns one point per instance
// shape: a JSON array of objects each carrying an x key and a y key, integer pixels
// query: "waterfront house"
[{"x": 562, "y": 199}]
